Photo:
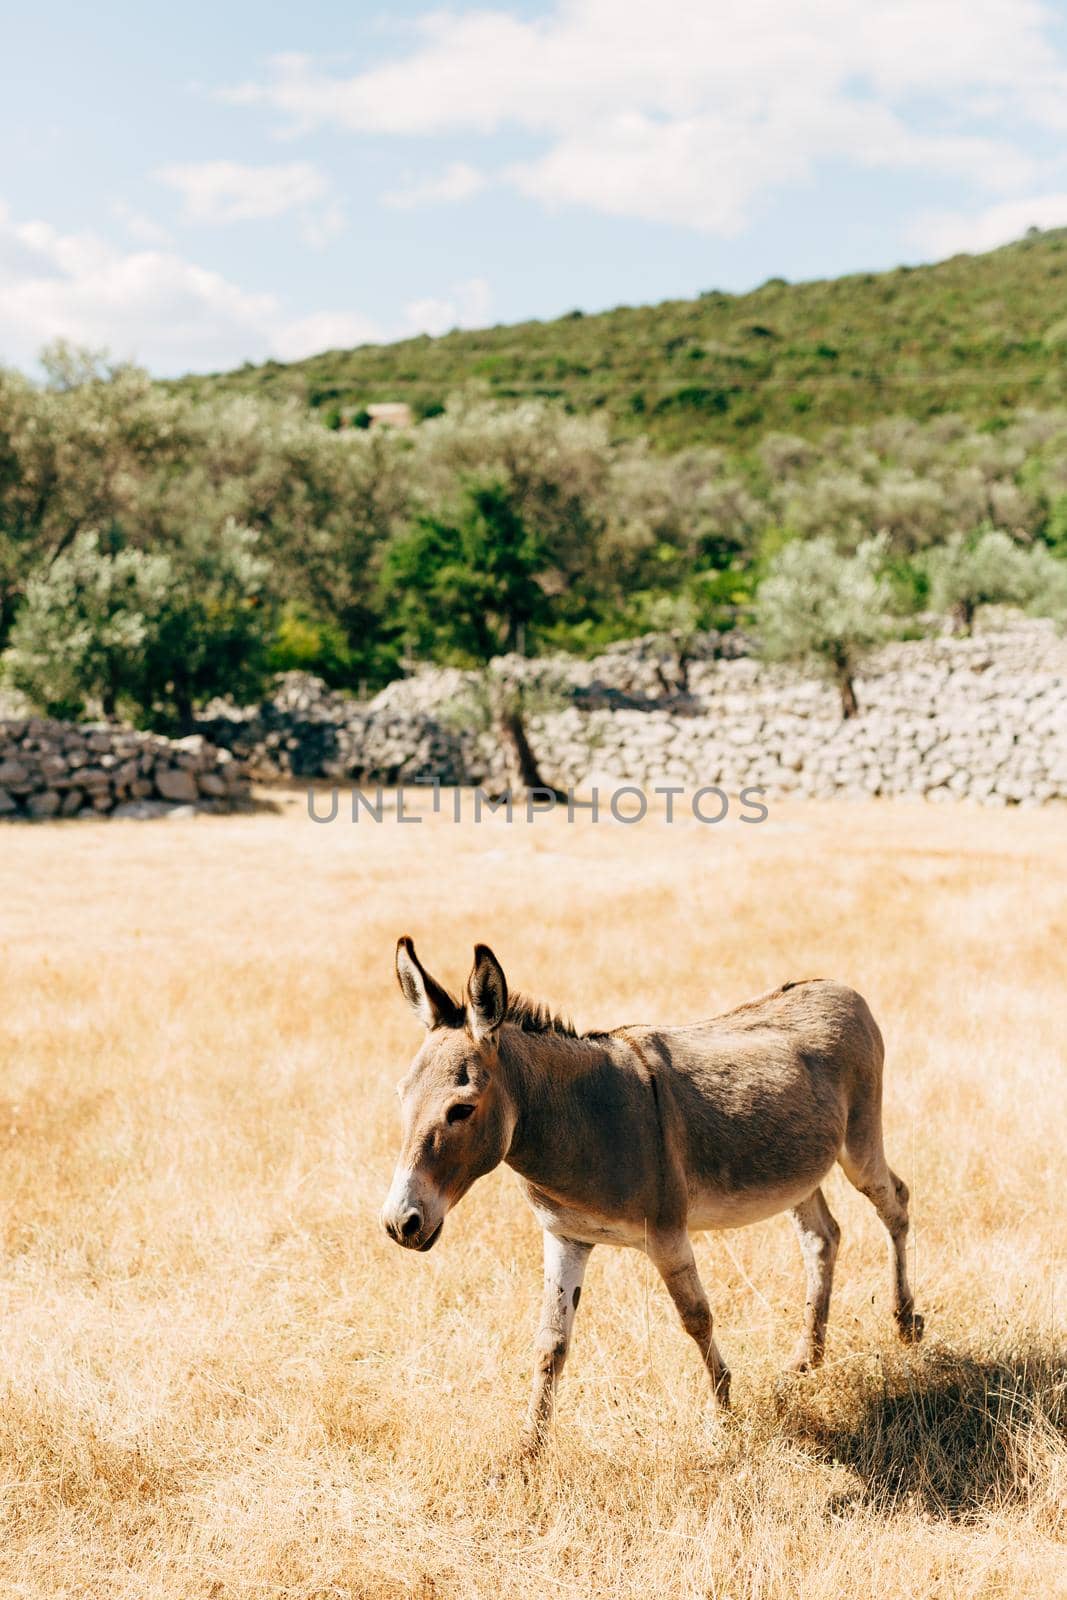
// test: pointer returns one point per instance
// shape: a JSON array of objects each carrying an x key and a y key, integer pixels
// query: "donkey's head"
[{"x": 456, "y": 1117}]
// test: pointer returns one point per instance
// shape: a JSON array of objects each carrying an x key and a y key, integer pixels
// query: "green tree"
[
  {"x": 1056, "y": 526},
  {"x": 501, "y": 698},
  {"x": 826, "y": 609},
  {"x": 105, "y": 448},
  {"x": 553, "y": 467},
  {"x": 142, "y": 634},
  {"x": 968, "y": 571},
  {"x": 80, "y": 636},
  {"x": 211, "y": 634},
  {"x": 1046, "y": 585},
  {"x": 674, "y": 624},
  {"x": 85, "y": 453},
  {"x": 468, "y": 588},
  {"x": 70, "y": 366}
]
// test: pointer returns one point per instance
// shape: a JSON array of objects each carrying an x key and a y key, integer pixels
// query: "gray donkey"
[{"x": 644, "y": 1135}]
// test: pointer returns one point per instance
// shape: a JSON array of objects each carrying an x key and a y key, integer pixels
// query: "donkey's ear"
[
  {"x": 434, "y": 1006},
  {"x": 487, "y": 994}
]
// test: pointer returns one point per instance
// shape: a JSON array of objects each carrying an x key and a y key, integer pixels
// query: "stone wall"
[
  {"x": 62, "y": 769},
  {"x": 307, "y": 730},
  {"x": 983, "y": 718}
]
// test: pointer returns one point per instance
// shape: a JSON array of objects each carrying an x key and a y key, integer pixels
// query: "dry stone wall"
[
  {"x": 59, "y": 769},
  {"x": 983, "y": 718}
]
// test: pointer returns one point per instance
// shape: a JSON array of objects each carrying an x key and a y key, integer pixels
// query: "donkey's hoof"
[
  {"x": 531, "y": 1445},
  {"x": 806, "y": 1358},
  {"x": 910, "y": 1326},
  {"x": 507, "y": 1466}
]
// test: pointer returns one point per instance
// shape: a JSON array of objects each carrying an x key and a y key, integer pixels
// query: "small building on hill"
[{"x": 390, "y": 414}]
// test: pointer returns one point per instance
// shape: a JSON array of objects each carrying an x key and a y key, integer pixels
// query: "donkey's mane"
[{"x": 533, "y": 1016}]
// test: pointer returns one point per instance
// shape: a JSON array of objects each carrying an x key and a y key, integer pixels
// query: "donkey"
[{"x": 643, "y": 1135}]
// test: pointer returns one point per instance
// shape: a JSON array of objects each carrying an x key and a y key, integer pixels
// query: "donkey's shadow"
[{"x": 944, "y": 1433}]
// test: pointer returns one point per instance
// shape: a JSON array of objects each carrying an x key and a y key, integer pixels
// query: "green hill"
[{"x": 977, "y": 335}]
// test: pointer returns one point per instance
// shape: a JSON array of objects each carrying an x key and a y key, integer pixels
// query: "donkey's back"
[
  {"x": 827, "y": 1023},
  {"x": 768, "y": 1096}
]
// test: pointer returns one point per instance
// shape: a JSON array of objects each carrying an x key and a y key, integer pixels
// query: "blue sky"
[{"x": 199, "y": 185}]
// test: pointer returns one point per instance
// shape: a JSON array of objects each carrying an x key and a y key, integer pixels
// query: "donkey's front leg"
[
  {"x": 674, "y": 1259},
  {"x": 565, "y": 1264}
]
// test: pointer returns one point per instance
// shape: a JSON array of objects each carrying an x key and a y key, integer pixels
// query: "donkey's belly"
[
  {"x": 589, "y": 1227},
  {"x": 714, "y": 1208},
  {"x": 708, "y": 1209}
]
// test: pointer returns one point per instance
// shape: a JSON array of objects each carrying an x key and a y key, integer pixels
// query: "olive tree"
[
  {"x": 500, "y": 699},
  {"x": 79, "y": 640},
  {"x": 553, "y": 468},
  {"x": 139, "y": 633},
  {"x": 825, "y": 609},
  {"x": 107, "y": 449},
  {"x": 1046, "y": 585},
  {"x": 985, "y": 568}
]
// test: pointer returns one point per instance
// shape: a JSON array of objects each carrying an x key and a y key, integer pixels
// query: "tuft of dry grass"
[{"x": 219, "y": 1378}]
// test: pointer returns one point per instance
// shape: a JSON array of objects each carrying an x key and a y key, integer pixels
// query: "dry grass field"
[{"x": 218, "y": 1376}]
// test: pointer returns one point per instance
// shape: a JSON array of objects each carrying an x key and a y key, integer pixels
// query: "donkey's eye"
[{"x": 459, "y": 1112}]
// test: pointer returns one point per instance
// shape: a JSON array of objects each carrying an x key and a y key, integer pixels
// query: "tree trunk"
[
  {"x": 963, "y": 616},
  {"x": 7, "y": 614},
  {"x": 684, "y": 658},
  {"x": 841, "y": 657},
  {"x": 522, "y": 763},
  {"x": 677, "y": 684},
  {"x": 183, "y": 706},
  {"x": 850, "y": 706}
]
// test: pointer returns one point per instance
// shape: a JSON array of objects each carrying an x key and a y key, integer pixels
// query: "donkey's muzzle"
[
  {"x": 410, "y": 1225},
  {"x": 407, "y": 1230}
]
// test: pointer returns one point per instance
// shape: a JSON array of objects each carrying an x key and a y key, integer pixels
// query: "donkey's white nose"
[
  {"x": 410, "y": 1223},
  {"x": 401, "y": 1223}
]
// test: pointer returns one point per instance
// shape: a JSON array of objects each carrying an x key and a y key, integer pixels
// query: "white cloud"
[
  {"x": 691, "y": 111},
  {"x": 218, "y": 193},
  {"x": 148, "y": 305},
  {"x": 465, "y": 306},
  {"x": 139, "y": 227},
  {"x": 221, "y": 192},
  {"x": 947, "y": 233},
  {"x": 458, "y": 182},
  {"x": 705, "y": 171},
  {"x": 317, "y": 228}
]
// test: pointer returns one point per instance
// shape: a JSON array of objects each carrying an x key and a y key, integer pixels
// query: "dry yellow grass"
[{"x": 219, "y": 1378}]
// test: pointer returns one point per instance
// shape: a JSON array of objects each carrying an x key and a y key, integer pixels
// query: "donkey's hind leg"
[
  {"x": 819, "y": 1236},
  {"x": 866, "y": 1168}
]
